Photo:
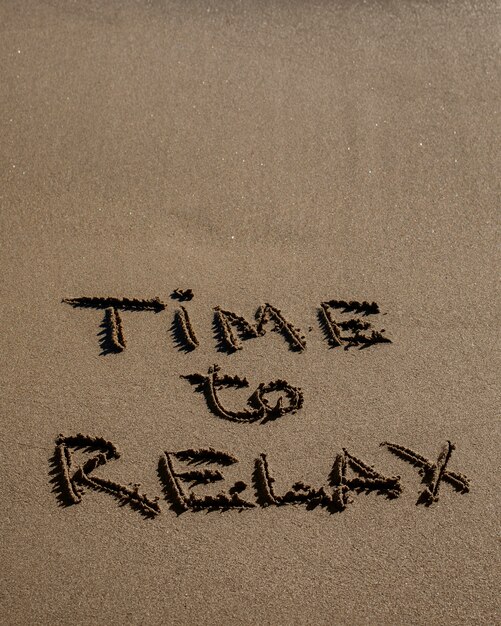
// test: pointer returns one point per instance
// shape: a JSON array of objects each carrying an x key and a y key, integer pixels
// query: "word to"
[
  {"x": 260, "y": 409},
  {"x": 179, "y": 472}
]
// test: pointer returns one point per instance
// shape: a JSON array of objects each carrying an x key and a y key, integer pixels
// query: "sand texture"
[{"x": 249, "y": 312}]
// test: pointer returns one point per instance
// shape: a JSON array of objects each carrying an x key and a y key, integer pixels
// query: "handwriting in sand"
[
  {"x": 259, "y": 408},
  {"x": 181, "y": 471},
  {"x": 343, "y": 323}
]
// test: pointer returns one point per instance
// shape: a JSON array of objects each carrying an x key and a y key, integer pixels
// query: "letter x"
[{"x": 433, "y": 473}]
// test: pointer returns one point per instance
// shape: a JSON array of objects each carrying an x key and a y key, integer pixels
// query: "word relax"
[
  {"x": 348, "y": 475},
  {"x": 231, "y": 328}
]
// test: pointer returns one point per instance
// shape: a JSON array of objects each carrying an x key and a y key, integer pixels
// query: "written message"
[{"x": 344, "y": 324}]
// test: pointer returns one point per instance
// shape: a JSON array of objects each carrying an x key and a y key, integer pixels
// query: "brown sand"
[{"x": 255, "y": 152}]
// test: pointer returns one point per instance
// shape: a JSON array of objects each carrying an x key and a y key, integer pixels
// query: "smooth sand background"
[{"x": 288, "y": 152}]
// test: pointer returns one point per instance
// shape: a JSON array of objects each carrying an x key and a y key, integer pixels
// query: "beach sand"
[{"x": 254, "y": 152}]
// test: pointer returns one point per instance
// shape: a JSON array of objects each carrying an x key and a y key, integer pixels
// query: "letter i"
[{"x": 183, "y": 331}]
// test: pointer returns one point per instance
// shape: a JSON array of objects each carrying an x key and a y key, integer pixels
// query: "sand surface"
[{"x": 256, "y": 152}]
